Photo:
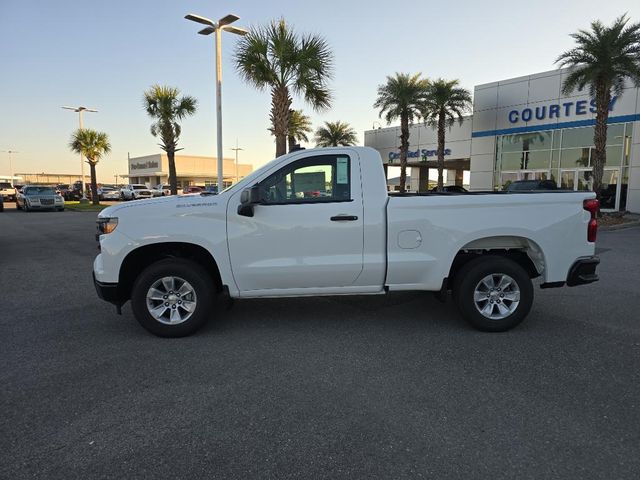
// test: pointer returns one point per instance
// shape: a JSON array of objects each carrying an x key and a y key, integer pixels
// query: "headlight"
[{"x": 107, "y": 225}]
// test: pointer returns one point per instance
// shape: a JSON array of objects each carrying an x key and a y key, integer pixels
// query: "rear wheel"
[
  {"x": 173, "y": 297},
  {"x": 493, "y": 293}
]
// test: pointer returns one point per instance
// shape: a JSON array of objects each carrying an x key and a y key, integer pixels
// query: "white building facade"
[{"x": 525, "y": 128}]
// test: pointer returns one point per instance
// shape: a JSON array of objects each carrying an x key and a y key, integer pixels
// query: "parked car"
[
  {"x": 135, "y": 191},
  {"x": 191, "y": 189},
  {"x": 74, "y": 192},
  {"x": 161, "y": 190},
  {"x": 108, "y": 193},
  {"x": 211, "y": 189},
  {"x": 528, "y": 185},
  {"x": 63, "y": 189},
  {"x": 1, "y": 204},
  {"x": 7, "y": 191},
  {"x": 258, "y": 239},
  {"x": 38, "y": 197},
  {"x": 451, "y": 189}
]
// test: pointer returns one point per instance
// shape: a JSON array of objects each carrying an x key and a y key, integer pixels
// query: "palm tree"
[
  {"x": 334, "y": 134},
  {"x": 299, "y": 126},
  {"x": 166, "y": 106},
  {"x": 445, "y": 103},
  {"x": 93, "y": 146},
  {"x": 602, "y": 59},
  {"x": 275, "y": 57},
  {"x": 402, "y": 97}
]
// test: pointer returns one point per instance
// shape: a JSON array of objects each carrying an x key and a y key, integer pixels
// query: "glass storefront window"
[
  {"x": 585, "y": 181},
  {"x": 615, "y": 134},
  {"x": 513, "y": 161},
  {"x": 567, "y": 178},
  {"x": 623, "y": 189},
  {"x": 609, "y": 188},
  {"x": 538, "y": 159},
  {"x": 614, "y": 156},
  {"x": 508, "y": 178},
  {"x": 526, "y": 142},
  {"x": 574, "y": 157},
  {"x": 577, "y": 137},
  {"x": 555, "y": 159}
]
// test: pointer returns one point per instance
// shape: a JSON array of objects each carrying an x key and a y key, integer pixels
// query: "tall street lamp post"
[
  {"x": 79, "y": 110},
  {"x": 10, "y": 152},
  {"x": 217, "y": 28},
  {"x": 237, "y": 149}
]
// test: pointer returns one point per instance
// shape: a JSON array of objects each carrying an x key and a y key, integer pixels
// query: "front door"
[{"x": 307, "y": 232}]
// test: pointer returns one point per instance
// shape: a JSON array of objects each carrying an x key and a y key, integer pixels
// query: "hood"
[{"x": 167, "y": 206}]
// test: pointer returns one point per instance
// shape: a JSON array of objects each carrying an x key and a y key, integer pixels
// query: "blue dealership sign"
[{"x": 556, "y": 110}]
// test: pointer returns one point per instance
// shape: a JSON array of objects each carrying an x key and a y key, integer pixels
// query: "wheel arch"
[
  {"x": 522, "y": 250},
  {"x": 140, "y": 258}
]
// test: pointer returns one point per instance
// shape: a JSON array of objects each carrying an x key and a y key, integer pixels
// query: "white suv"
[{"x": 135, "y": 191}]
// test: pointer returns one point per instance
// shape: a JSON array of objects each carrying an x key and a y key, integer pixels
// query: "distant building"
[
  {"x": 47, "y": 178},
  {"x": 153, "y": 170}
]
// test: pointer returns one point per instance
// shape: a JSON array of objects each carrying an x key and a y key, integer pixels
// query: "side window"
[{"x": 325, "y": 178}]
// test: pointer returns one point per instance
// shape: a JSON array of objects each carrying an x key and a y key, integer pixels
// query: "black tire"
[
  {"x": 25, "y": 207},
  {"x": 193, "y": 273},
  {"x": 470, "y": 276}
]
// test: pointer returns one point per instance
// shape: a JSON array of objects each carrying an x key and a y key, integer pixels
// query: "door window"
[{"x": 325, "y": 178}]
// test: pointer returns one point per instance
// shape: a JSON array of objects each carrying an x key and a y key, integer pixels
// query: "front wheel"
[
  {"x": 173, "y": 297},
  {"x": 493, "y": 293}
]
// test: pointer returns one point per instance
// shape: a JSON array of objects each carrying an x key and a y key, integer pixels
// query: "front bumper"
[
  {"x": 109, "y": 292},
  {"x": 583, "y": 271}
]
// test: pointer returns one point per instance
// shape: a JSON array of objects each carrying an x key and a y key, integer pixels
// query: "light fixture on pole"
[
  {"x": 237, "y": 149},
  {"x": 217, "y": 28},
  {"x": 10, "y": 152},
  {"x": 79, "y": 110}
]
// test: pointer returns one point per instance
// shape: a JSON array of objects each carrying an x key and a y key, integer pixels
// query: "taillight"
[{"x": 592, "y": 206}]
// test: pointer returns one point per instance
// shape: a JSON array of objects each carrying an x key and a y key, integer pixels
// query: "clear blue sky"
[{"x": 105, "y": 54}]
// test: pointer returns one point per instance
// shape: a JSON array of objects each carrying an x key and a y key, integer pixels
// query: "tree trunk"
[
  {"x": 291, "y": 141},
  {"x": 404, "y": 149},
  {"x": 173, "y": 177},
  {"x": 94, "y": 184},
  {"x": 280, "y": 105},
  {"x": 599, "y": 157},
  {"x": 441, "y": 127}
]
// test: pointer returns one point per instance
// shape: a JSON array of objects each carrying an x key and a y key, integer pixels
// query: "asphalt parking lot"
[{"x": 365, "y": 387}]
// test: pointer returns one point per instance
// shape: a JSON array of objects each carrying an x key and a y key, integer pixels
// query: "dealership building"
[
  {"x": 153, "y": 170},
  {"x": 525, "y": 128}
]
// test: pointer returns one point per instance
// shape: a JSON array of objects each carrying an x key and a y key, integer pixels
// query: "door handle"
[{"x": 344, "y": 218}]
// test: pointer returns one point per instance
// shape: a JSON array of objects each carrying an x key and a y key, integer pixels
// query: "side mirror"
[{"x": 248, "y": 198}]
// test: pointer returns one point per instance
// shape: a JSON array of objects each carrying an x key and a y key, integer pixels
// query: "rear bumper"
[{"x": 583, "y": 271}]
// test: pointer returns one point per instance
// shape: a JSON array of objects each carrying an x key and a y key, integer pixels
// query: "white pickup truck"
[{"x": 320, "y": 222}]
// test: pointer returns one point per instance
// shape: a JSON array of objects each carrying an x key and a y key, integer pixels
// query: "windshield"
[
  {"x": 139, "y": 187},
  {"x": 40, "y": 191},
  {"x": 5, "y": 185}
]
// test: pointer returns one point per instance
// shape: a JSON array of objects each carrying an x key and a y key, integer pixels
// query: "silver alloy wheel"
[
  {"x": 171, "y": 300},
  {"x": 496, "y": 296}
]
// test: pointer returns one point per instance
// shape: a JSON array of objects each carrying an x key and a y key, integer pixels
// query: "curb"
[{"x": 620, "y": 226}]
